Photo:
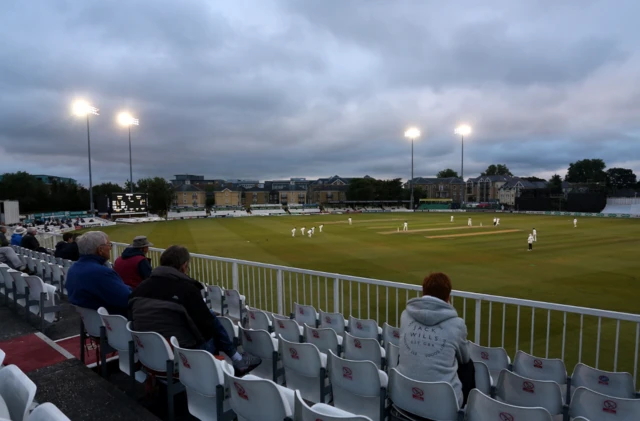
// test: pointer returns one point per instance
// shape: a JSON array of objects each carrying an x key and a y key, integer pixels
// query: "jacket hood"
[
  {"x": 430, "y": 311},
  {"x": 169, "y": 272},
  {"x": 131, "y": 252}
]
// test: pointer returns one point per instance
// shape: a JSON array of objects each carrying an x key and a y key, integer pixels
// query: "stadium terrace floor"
[{"x": 63, "y": 380}]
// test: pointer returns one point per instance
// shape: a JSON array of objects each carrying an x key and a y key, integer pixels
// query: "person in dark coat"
[
  {"x": 134, "y": 266},
  {"x": 68, "y": 248},
  {"x": 29, "y": 241}
]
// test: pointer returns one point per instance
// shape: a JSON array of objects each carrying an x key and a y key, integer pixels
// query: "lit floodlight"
[
  {"x": 412, "y": 133},
  {"x": 463, "y": 130},
  {"x": 82, "y": 108},
  {"x": 125, "y": 119}
]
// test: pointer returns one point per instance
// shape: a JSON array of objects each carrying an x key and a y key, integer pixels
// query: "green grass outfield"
[{"x": 594, "y": 265}]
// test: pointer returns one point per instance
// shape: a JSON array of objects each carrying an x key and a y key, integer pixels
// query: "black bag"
[{"x": 467, "y": 376}]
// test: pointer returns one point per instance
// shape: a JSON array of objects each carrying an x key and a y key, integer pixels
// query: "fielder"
[
  {"x": 469, "y": 224},
  {"x": 530, "y": 241},
  {"x": 349, "y": 221},
  {"x": 575, "y": 222},
  {"x": 405, "y": 226},
  {"x": 313, "y": 230},
  {"x": 535, "y": 236},
  {"x": 310, "y": 233},
  {"x": 451, "y": 218},
  {"x": 495, "y": 221},
  {"x": 321, "y": 226},
  {"x": 498, "y": 222},
  {"x": 302, "y": 230},
  {"x": 293, "y": 232}
]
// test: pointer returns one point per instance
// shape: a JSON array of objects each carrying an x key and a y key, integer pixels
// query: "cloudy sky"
[{"x": 307, "y": 88}]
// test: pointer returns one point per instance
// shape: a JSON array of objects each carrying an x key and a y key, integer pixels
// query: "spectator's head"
[
  {"x": 20, "y": 231},
  {"x": 32, "y": 230},
  {"x": 141, "y": 242},
  {"x": 67, "y": 237},
  {"x": 176, "y": 257},
  {"x": 96, "y": 243},
  {"x": 3, "y": 229},
  {"x": 437, "y": 285}
]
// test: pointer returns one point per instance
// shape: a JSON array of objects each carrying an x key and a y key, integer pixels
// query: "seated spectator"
[
  {"x": 170, "y": 303},
  {"x": 433, "y": 339},
  {"x": 7, "y": 254},
  {"x": 68, "y": 248},
  {"x": 29, "y": 241},
  {"x": 16, "y": 237},
  {"x": 134, "y": 266},
  {"x": 90, "y": 283}
]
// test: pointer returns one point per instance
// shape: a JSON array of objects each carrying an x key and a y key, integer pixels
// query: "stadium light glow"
[
  {"x": 82, "y": 108},
  {"x": 412, "y": 133},
  {"x": 463, "y": 130},
  {"x": 125, "y": 119}
]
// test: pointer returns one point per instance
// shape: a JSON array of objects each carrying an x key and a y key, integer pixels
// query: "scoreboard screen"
[{"x": 123, "y": 203}]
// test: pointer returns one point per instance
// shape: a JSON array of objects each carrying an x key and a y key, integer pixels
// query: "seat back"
[
  {"x": 334, "y": 321},
  {"x": 324, "y": 339},
  {"x": 261, "y": 344},
  {"x": 435, "y": 400},
  {"x": 356, "y": 386},
  {"x": 597, "y": 406},
  {"x": 302, "y": 368},
  {"x": 36, "y": 287},
  {"x": 18, "y": 392},
  {"x": 254, "y": 399},
  {"x": 153, "y": 349},
  {"x": 393, "y": 356},
  {"x": 390, "y": 334},
  {"x": 305, "y": 315},
  {"x": 228, "y": 324},
  {"x": 234, "y": 303},
  {"x": 2, "y": 355},
  {"x": 258, "y": 319},
  {"x": 5, "y": 277},
  {"x": 19, "y": 281},
  {"x": 91, "y": 320},
  {"x": 287, "y": 328},
  {"x": 303, "y": 412},
  {"x": 363, "y": 328},
  {"x": 116, "y": 329},
  {"x": 56, "y": 273},
  {"x": 540, "y": 368},
  {"x": 362, "y": 349},
  {"x": 519, "y": 391},
  {"x": 215, "y": 294},
  {"x": 481, "y": 407},
  {"x": 496, "y": 359},
  {"x": 619, "y": 385},
  {"x": 483, "y": 377},
  {"x": 47, "y": 412}
]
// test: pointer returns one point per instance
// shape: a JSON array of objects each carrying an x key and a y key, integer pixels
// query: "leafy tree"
[
  {"x": 586, "y": 171},
  {"x": 106, "y": 189},
  {"x": 448, "y": 173},
  {"x": 369, "y": 189},
  {"x": 160, "y": 193},
  {"x": 621, "y": 178},
  {"x": 32, "y": 193},
  {"x": 555, "y": 182},
  {"x": 532, "y": 179},
  {"x": 500, "y": 169},
  {"x": 127, "y": 187}
]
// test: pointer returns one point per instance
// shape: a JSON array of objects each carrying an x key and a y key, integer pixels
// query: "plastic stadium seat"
[
  {"x": 323, "y": 412},
  {"x": 256, "y": 399},
  {"x": 47, "y": 412},
  {"x": 42, "y": 300},
  {"x": 483, "y": 378},
  {"x": 19, "y": 287},
  {"x": 288, "y": 329},
  {"x": 481, "y": 407},
  {"x": 17, "y": 391},
  {"x": 364, "y": 349},
  {"x": 334, "y": 321},
  {"x": 325, "y": 339},
  {"x": 619, "y": 385},
  {"x": 2, "y": 356},
  {"x": 364, "y": 328},
  {"x": 393, "y": 356},
  {"x": 432, "y": 400},
  {"x": 91, "y": 321},
  {"x": 305, "y": 315},
  {"x": 231, "y": 328},
  {"x": 596, "y": 406},
  {"x": 537, "y": 368},
  {"x": 305, "y": 369},
  {"x": 261, "y": 344},
  {"x": 496, "y": 359},
  {"x": 203, "y": 377},
  {"x": 521, "y": 391},
  {"x": 358, "y": 387},
  {"x": 216, "y": 299},
  {"x": 390, "y": 334},
  {"x": 258, "y": 320},
  {"x": 235, "y": 303}
]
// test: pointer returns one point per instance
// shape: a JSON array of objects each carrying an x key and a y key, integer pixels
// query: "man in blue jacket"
[{"x": 90, "y": 283}]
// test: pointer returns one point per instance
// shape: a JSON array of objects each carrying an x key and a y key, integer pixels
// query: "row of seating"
[{"x": 17, "y": 393}]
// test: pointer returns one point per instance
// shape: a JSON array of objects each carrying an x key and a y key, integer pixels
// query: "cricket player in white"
[
  {"x": 469, "y": 222},
  {"x": 535, "y": 236},
  {"x": 575, "y": 222},
  {"x": 495, "y": 221},
  {"x": 530, "y": 241},
  {"x": 405, "y": 226},
  {"x": 498, "y": 222},
  {"x": 313, "y": 230},
  {"x": 293, "y": 232},
  {"x": 349, "y": 221},
  {"x": 451, "y": 218},
  {"x": 321, "y": 226},
  {"x": 310, "y": 233},
  {"x": 302, "y": 230}
]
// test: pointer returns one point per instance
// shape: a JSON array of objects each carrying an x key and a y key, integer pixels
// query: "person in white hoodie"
[{"x": 433, "y": 339}]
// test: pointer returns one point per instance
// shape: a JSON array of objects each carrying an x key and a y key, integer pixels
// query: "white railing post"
[
  {"x": 280, "y": 292},
  {"x": 235, "y": 282},
  {"x": 336, "y": 295},
  {"x": 478, "y": 320}
]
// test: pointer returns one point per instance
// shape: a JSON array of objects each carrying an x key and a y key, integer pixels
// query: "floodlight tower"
[
  {"x": 412, "y": 133},
  {"x": 125, "y": 119},
  {"x": 83, "y": 109},
  {"x": 463, "y": 130}
]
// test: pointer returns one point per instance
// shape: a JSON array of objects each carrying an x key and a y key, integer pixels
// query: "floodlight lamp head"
[
  {"x": 82, "y": 108},
  {"x": 412, "y": 133},
  {"x": 463, "y": 130},
  {"x": 125, "y": 119}
]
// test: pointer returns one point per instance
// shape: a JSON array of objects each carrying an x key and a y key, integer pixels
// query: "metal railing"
[{"x": 607, "y": 340}]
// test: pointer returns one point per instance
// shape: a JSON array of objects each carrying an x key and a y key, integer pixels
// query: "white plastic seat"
[
  {"x": 42, "y": 300},
  {"x": 230, "y": 327},
  {"x": 481, "y": 407},
  {"x": 256, "y": 399},
  {"x": 258, "y": 319},
  {"x": 261, "y": 344},
  {"x": 305, "y": 315},
  {"x": 120, "y": 339},
  {"x": 235, "y": 303},
  {"x": 364, "y": 328},
  {"x": 2, "y": 356},
  {"x": 305, "y": 369},
  {"x": 46, "y": 271},
  {"x": 537, "y": 368},
  {"x": 57, "y": 278},
  {"x": 358, "y": 387},
  {"x": 203, "y": 377},
  {"x": 598, "y": 407},
  {"x": 18, "y": 392},
  {"x": 324, "y": 339},
  {"x": 496, "y": 359},
  {"x": 216, "y": 295},
  {"x": 390, "y": 334},
  {"x": 520, "y": 391},
  {"x": 393, "y": 356},
  {"x": 432, "y": 400},
  {"x": 288, "y": 329},
  {"x": 619, "y": 385},
  {"x": 19, "y": 284},
  {"x": 334, "y": 321},
  {"x": 323, "y": 412},
  {"x": 91, "y": 321},
  {"x": 364, "y": 349},
  {"x": 483, "y": 378},
  {"x": 47, "y": 412}
]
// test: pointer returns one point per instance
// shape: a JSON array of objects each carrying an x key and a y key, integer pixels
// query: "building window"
[{"x": 184, "y": 201}]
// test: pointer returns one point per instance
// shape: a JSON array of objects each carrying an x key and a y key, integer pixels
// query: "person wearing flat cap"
[{"x": 134, "y": 266}]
